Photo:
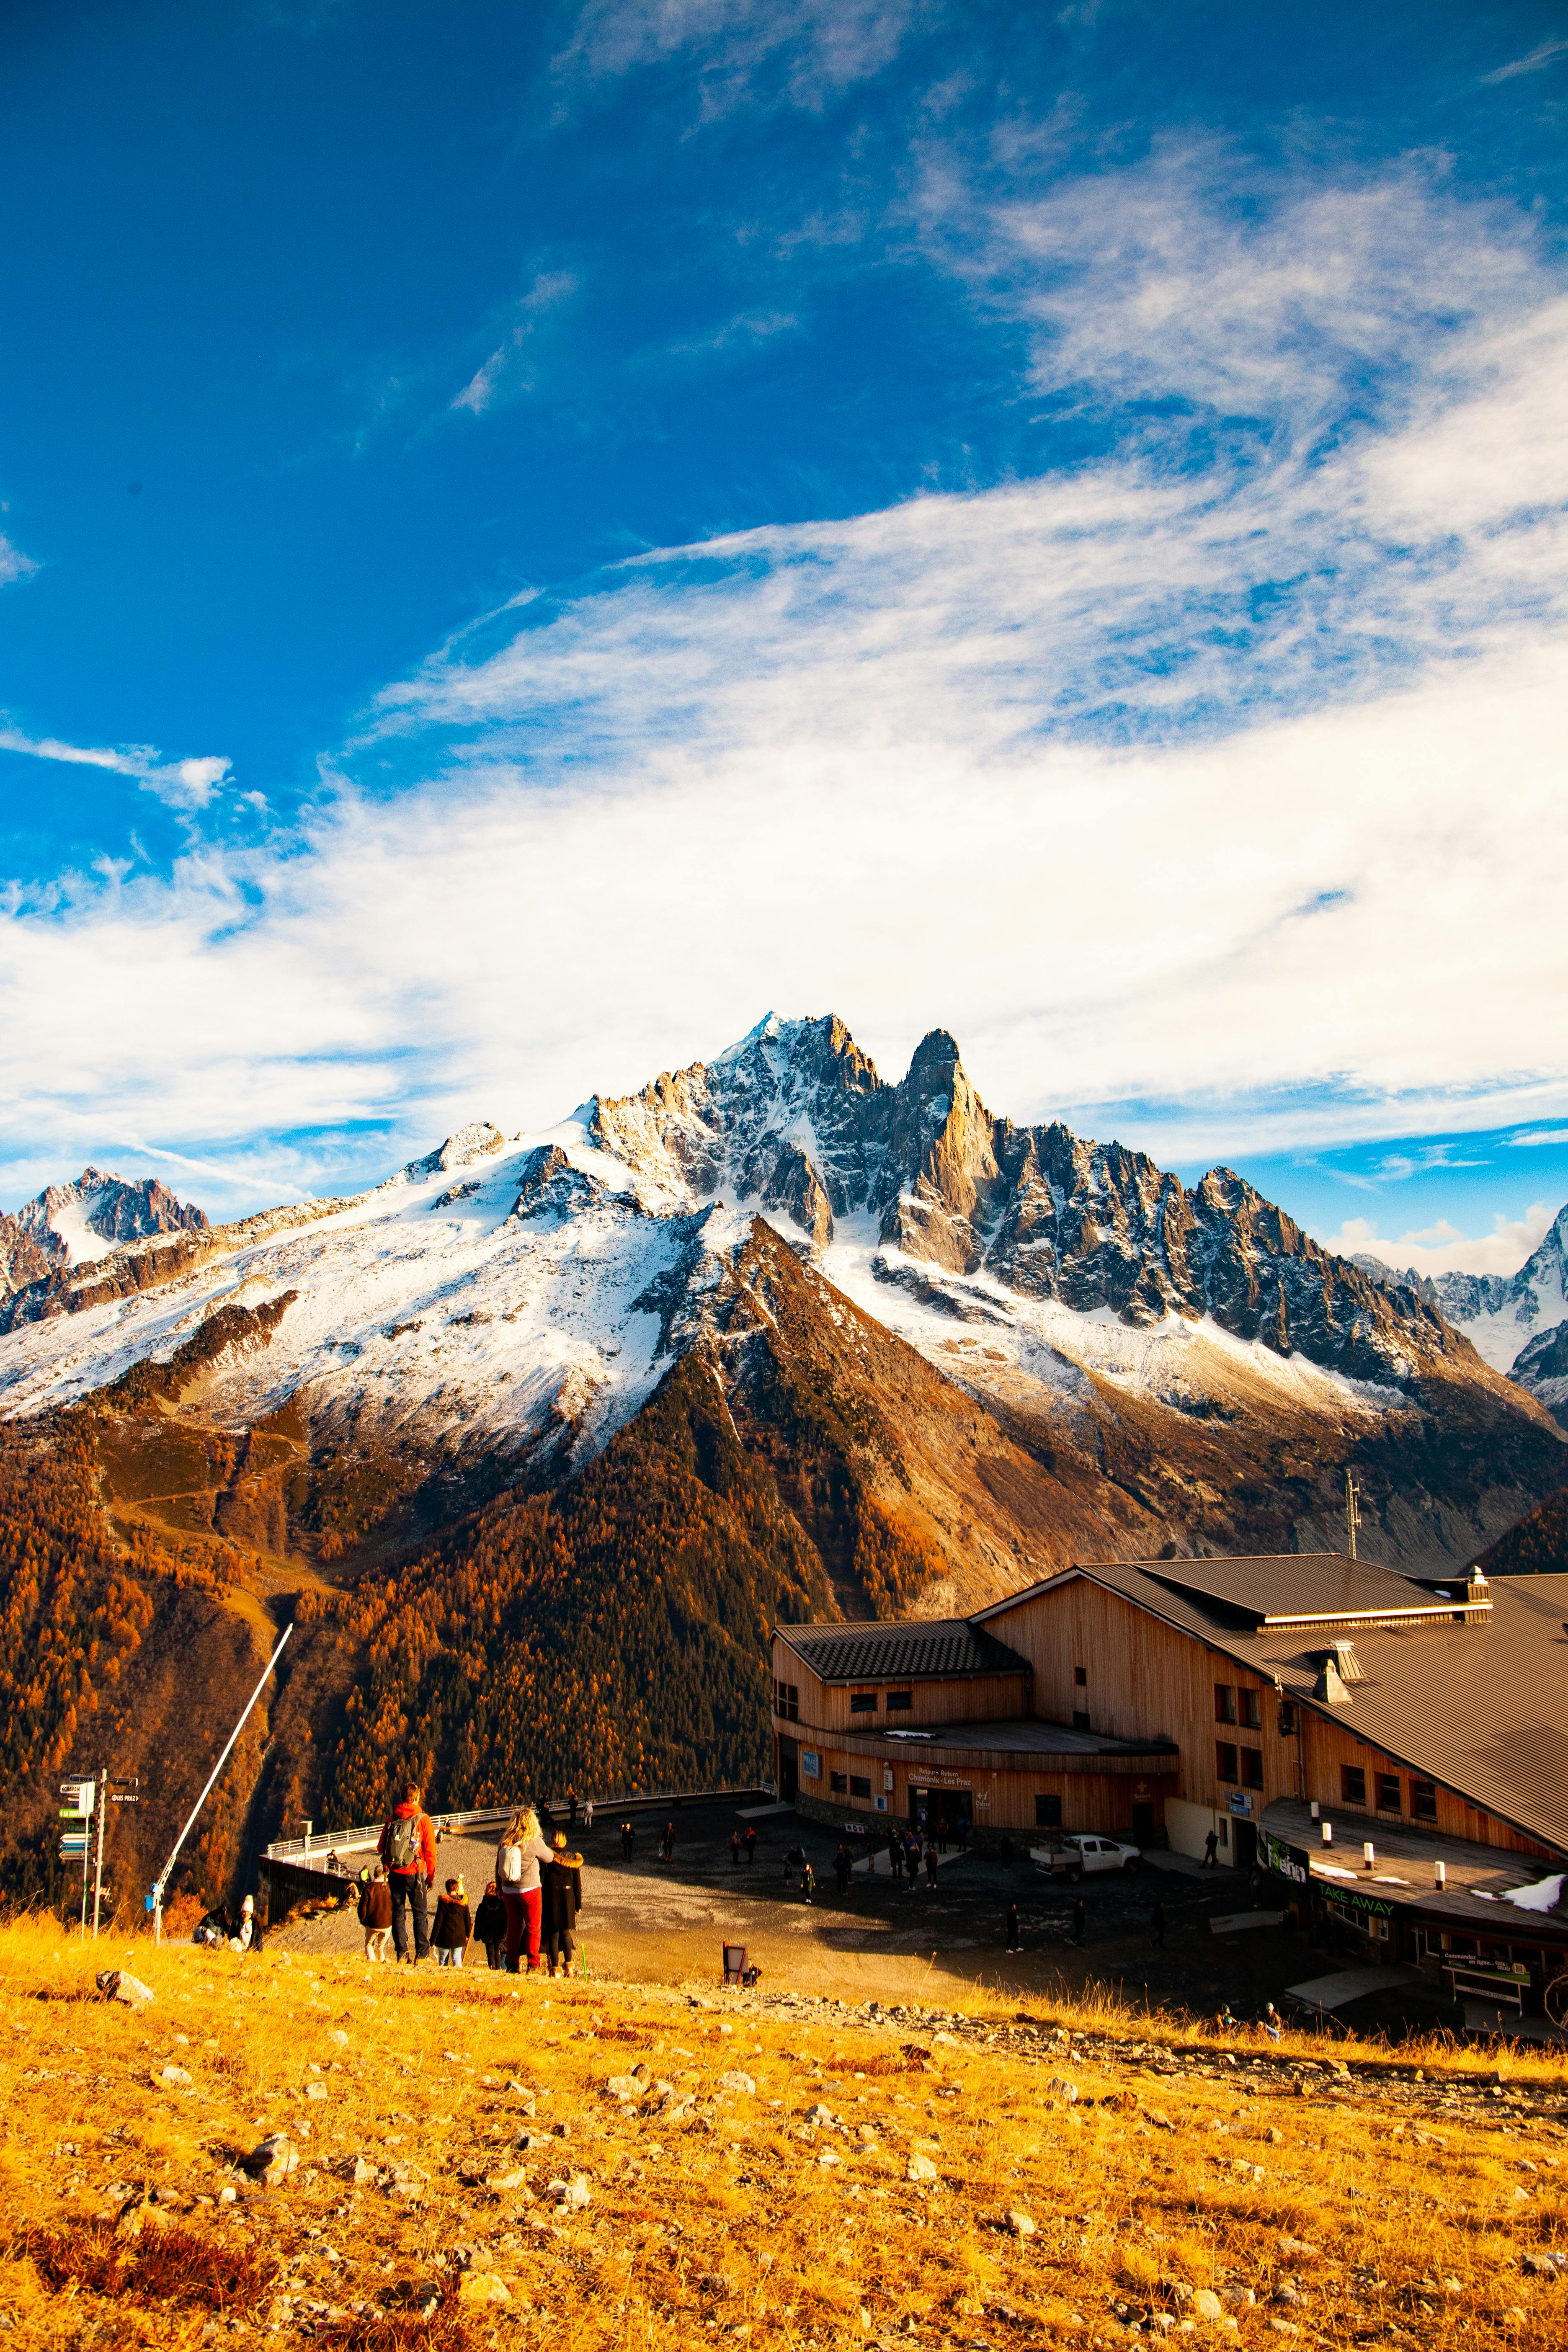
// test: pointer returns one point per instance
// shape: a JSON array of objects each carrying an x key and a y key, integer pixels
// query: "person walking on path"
[
  {"x": 931, "y": 1863},
  {"x": 734, "y": 1849},
  {"x": 963, "y": 1833},
  {"x": 1077, "y": 1922},
  {"x": 669, "y": 1841},
  {"x": 1005, "y": 1851},
  {"x": 1211, "y": 1850},
  {"x": 1256, "y": 1877},
  {"x": 454, "y": 1928},
  {"x": 588, "y": 1813},
  {"x": 1015, "y": 1939},
  {"x": 518, "y": 1858},
  {"x": 795, "y": 1859},
  {"x": 807, "y": 1881},
  {"x": 894, "y": 1855},
  {"x": 375, "y": 1914},
  {"x": 629, "y": 1839},
  {"x": 1157, "y": 1926},
  {"x": 749, "y": 1842},
  {"x": 560, "y": 1899},
  {"x": 407, "y": 1847},
  {"x": 843, "y": 1868},
  {"x": 489, "y": 1925}
]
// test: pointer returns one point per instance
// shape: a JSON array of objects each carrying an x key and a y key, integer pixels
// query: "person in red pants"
[{"x": 518, "y": 1858}]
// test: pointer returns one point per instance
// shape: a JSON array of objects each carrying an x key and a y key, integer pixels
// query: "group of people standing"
[{"x": 532, "y": 1904}]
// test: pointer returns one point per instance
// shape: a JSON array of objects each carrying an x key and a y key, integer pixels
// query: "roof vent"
[
  {"x": 1329, "y": 1686},
  {"x": 1351, "y": 1669}
]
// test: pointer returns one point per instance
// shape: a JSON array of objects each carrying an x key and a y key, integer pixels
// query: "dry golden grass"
[{"x": 725, "y": 2216}]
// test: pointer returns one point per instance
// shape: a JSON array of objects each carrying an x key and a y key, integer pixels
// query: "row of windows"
[
  {"x": 1233, "y": 1706},
  {"x": 1241, "y": 1765},
  {"x": 1388, "y": 1792},
  {"x": 864, "y": 1702},
  {"x": 848, "y": 1784}
]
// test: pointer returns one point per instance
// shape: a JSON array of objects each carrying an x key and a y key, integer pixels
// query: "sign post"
[{"x": 76, "y": 1844}]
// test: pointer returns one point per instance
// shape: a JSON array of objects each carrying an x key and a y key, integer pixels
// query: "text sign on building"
[
  {"x": 940, "y": 1777},
  {"x": 1286, "y": 1861},
  {"x": 1239, "y": 1801},
  {"x": 810, "y": 1764}
]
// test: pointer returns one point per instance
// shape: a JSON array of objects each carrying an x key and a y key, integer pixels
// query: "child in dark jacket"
[
  {"x": 454, "y": 1928},
  {"x": 489, "y": 1925}
]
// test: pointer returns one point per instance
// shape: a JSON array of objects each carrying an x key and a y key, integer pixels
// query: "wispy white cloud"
[
  {"x": 184, "y": 785},
  {"x": 506, "y": 373},
  {"x": 1541, "y": 1135},
  {"x": 14, "y": 564},
  {"x": 1544, "y": 54},
  {"x": 808, "y": 51},
  {"x": 1443, "y": 1248}
]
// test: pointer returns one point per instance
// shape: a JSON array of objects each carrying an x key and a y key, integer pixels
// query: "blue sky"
[{"x": 532, "y": 534}]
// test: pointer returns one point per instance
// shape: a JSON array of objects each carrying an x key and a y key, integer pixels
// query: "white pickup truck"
[{"x": 1069, "y": 1857}]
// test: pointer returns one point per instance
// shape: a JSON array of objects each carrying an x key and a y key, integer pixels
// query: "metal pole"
[
  {"x": 98, "y": 1874},
  {"x": 163, "y": 1878}
]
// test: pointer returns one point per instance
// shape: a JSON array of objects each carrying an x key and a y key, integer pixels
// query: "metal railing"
[{"x": 310, "y": 1853}]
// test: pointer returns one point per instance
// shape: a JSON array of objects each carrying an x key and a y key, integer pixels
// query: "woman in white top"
[{"x": 518, "y": 1858}]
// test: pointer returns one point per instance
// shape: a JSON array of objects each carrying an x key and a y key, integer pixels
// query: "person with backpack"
[
  {"x": 489, "y": 1925},
  {"x": 407, "y": 1847},
  {"x": 560, "y": 1899},
  {"x": 375, "y": 1914},
  {"x": 454, "y": 1928},
  {"x": 518, "y": 1858},
  {"x": 749, "y": 1842},
  {"x": 629, "y": 1839}
]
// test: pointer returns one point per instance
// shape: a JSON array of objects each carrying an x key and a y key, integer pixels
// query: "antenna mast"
[{"x": 1353, "y": 1513}]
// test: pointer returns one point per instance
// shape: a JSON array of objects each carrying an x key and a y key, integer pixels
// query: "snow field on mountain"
[{"x": 499, "y": 1315}]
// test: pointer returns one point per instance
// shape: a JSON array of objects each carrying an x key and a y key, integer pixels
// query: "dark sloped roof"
[
  {"x": 1305, "y": 1588},
  {"x": 910, "y": 1651},
  {"x": 1482, "y": 1707}
]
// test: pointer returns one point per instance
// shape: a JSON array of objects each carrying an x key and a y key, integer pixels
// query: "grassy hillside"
[{"x": 768, "y": 2172}]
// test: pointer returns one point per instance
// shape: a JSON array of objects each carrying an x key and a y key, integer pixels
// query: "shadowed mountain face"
[{"x": 549, "y": 1425}]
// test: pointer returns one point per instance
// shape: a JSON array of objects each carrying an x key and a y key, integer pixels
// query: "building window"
[
  {"x": 1223, "y": 1702},
  {"x": 1081, "y": 1718},
  {"x": 1251, "y": 1711},
  {"x": 1048, "y": 1812},
  {"x": 1252, "y": 1768},
  {"x": 1352, "y": 1784},
  {"x": 786, "y": 1701},
  {"x": 1388, "y": 1792},
  {"x": 1080, "y": 1676},
  {"x": 1225, "y": 1761},
  {"x": 862, "y": 1702},
  {"x": 858, "y": 1787},
  {"x": 1423, "y": 1801},
  {"x": 839, "y": 1782},
  {"x": 900, "y": 1699}
]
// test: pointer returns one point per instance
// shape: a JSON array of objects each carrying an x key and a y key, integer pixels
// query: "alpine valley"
[{"x": 533, "y": 1440}]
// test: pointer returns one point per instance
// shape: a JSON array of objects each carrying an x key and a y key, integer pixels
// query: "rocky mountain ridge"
[
  {"x": 1518, "y": 1322},
  {"x": 76, "y": 1223},
  {"x": 797, "y": 1118}
]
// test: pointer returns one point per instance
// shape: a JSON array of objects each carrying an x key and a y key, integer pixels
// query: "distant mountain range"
[
  {"x": 534, "y": 1438},
  {"x": 1518, "y": 1322}
]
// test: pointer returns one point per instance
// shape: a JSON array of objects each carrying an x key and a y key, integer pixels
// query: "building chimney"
[
  {"x": 1329, "y": 1686},
  {"x": 1351, "y": 1669}
]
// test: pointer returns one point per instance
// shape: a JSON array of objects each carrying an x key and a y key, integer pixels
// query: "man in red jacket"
[{"x": 407, "y": 1847}]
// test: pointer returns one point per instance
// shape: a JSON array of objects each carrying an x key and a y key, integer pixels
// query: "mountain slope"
[{"x": 533, "y": 1438}]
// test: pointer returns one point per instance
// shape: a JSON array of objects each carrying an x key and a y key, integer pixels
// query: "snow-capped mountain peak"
[{"x": 80, "y": 1222}]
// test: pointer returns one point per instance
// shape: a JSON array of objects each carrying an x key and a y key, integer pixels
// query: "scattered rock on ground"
[{"x": 119, "y": 1984}]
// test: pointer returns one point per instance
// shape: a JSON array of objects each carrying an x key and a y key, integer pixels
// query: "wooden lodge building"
[{"x": 1364, "y": 1735}]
